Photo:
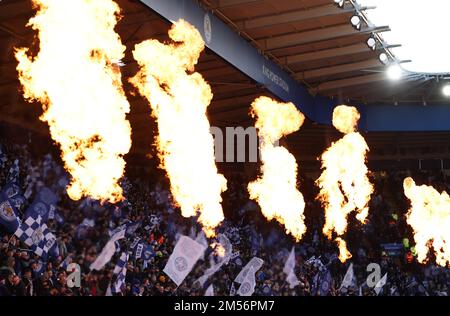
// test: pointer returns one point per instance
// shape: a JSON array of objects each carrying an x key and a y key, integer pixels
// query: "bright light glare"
[
  {"x": 446, "y": 90},
  {"x": 394, "y": 72},
  {"x": 420, "y": 27}
]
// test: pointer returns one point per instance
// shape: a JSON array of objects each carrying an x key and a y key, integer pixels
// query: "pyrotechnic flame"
[
  {"x": 179, "y": 100},
  {"x": 344, "y": 254},
  {"x": 276, "y": 190},
  {"x": 344, "y": 184},
  {"x": 429, "y": 216},
  {"x": 80, "y": 89},
  {"x": 219, "y": 250}
]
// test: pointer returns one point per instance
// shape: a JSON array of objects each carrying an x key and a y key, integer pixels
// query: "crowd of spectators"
[{"x": 147, "y": 197}]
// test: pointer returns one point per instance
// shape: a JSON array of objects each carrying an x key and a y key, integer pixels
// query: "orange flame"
[
  {"x": 429, "y": 216},
  {"x": 179, "y": 100},
  {"x": 344, "y": 184},
  {"x": 276, "y": 190},
  {"x": 74, "y": 78}
]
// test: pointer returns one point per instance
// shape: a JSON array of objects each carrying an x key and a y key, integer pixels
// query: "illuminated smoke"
[
  {"x": 344, "y": 185},
  {"x": 429, "y": 217},
  {"x": 276, "y": 189},
  {"x": 179, "y": 98},
  {"x": 76, "y": 79}
]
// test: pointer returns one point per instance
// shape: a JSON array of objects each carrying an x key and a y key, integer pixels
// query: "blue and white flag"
[
  {"x": 10, "y": 190},
  {"x": 108, "y": 251},
  {"x": 38, "y": 208},
  {"x": 8, "y": 215},
  {"x": 47, "y": 196},
  {"x": 183, "y": 258},
  {"x": 148, "y": 253},
  {"x": 37, "y": 236},
  {"x": 131, "y": 228},
  {"x": 14, "y": 172},
  {"x": 120, "y": 271},
  {"x": 349, "y": 278}
]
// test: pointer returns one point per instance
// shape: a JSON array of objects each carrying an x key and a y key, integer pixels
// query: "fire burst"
[
  {"x": 276, "y": 190},
  {"x": 179, "y": 98},
  {"x": 344, "y": 184},
  {"x": 429, "y": 217},
  {"x": 75, "y": 79}
]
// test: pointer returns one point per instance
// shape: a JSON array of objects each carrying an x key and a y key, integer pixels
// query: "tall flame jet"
[
  {"x": 75, "y": 78},
  {"x": 344, "y": 185},
  {"x": 179, "y": 98},
  {"x": 429, "y": 216},
  {"x": 276, "y": 190}
]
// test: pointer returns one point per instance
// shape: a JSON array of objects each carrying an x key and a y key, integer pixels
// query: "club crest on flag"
[
  {"x": 7, "y": 212},
  {"x": 180, "y": 264},
  {"x": 245, "y": 288},
  {"x": 40, "y": 209},
  {"x": 37, "y": 236}
]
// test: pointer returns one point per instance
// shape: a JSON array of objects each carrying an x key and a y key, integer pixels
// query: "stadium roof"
[{"x": 311, "y": 39}]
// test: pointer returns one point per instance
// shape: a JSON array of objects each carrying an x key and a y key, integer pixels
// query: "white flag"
[
  {"x": 201, "y": 239},
  {"x": 210, "y": 291},
  {"x": 292, "y": 280},
  {"x": 107, "y": 252},
  {"x": 248, "y": 284},
  {"x": 232, "y": 289},
  {"x": 290, "y": 262},
  {"x": 255, "y": 263},
  {"x": 226, "y": 244},
  {"x": 183, "y": 258},
  {"x": 380, "y": 284},
  {"x": 349, "y": 278},
  {"x": 289, "y": 270}
]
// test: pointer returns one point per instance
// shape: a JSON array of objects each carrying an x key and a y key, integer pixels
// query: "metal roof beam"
[
  {"x": 334, "y": 70},
  {"x": 327, "y": 33},
  {"x": 326, "y": 53},
  {"x": 354, "y": 81},
  {"x": 293, "y": 16}
]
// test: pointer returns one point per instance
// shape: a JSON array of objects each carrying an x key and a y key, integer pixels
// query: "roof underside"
[{"x": 312, "y": 39}]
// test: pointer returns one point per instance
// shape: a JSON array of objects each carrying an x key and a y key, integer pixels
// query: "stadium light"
[
  {"x": 383, "y": 57},
  {"x": 356, "y": 21},
  {"x": 394, "y": 72},
  {"x": 339, "y": 3},
  {"x": 446, "y": 90},
  {"x": 372, "y": 43},
  {"x": 420, "y": 27}
]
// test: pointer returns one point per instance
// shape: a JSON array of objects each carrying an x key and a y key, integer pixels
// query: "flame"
[
  {"x": 344, "y": 254},
  {"x": 276, "y": 190},
  {"x": 344, "y": 185},
  {"x": 80, "y": 89},
  {"x": 179, "y": 98},
  {"x": 219, "y": 250},
  {"x": 429, "y": 216}
]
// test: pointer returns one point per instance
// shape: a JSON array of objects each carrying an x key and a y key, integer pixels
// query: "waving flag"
[
  {"x": 248, "y": 283},
  {"x": 37, "y": 236},
  {"x": 108, "y": 251},
  {"x": 225, "y": 244},
  {"x": 349, "y": 278},
  {"x": 289, "y": 270},
  {"x": 120, "y": 271},
  {"x": 8, "y": 215},
  {"x": 210, "y": 291},
  {"x": 254, "y": 264},
  {"x": 183, "y": 258},
  {"x": 380, "y": 284}
]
